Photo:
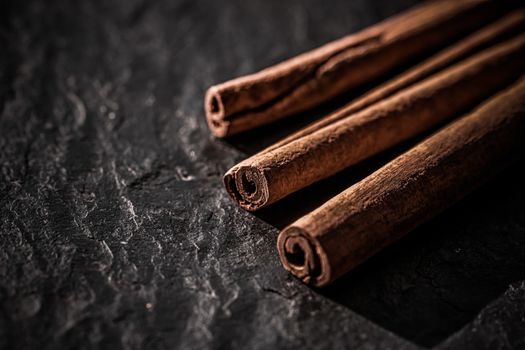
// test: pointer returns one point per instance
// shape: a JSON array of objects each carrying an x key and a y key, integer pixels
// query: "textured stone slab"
[{"x": 116, "y": 231}]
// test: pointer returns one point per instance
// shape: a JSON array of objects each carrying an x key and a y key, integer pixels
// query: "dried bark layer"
[
  {"x": 502, "y": 29},
  {"x": 370, "y": 215},
  {"x": 270, "y": 176},
  {"x": 309, "y": 79},
  {"x": 265, "y": 178}
]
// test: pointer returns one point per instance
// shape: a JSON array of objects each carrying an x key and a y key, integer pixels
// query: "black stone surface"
[{"x": 116, "y": 231}]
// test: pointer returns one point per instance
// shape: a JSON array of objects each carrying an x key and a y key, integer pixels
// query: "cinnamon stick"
[
  {"x": 370, "y": 215},
  {"x": 483, "y": 38},
  {"x": 270, "y": 176},
  {"x": 316, "y": 76}
]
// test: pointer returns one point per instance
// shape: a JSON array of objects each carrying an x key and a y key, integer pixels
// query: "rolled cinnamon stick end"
[
  {"x": 277, "y": 173},
  {"x": 304, "y": 256},
  {"x": 354, "y": 225},
  {"x": 215, "y": 113},
  {"x": 309, "y": 79},
  {"x": 248, "y": 185}
]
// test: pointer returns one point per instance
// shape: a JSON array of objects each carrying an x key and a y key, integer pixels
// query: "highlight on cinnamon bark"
[
  {"x": 380, "y": 209},
  {"x": 269, "y": 176},
  {"x": 309, "y": 79},
  {"x": 481, "y": 39}
]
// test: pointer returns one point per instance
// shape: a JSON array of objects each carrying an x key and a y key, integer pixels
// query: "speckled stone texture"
[{"x": 116, "y": 231}]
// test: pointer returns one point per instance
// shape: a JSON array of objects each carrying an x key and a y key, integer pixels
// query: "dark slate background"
[{"x": 116, "y": 231}]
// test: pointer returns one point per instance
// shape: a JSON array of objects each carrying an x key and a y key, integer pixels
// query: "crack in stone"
[{"x": 275, "y": 291}]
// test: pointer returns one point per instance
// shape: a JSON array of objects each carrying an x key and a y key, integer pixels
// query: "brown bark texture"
[
  {"x": 380, "y": 209},
  {"x": 491, "y": 34},
  {"x": 267, "y": 177},
  {"x": 314, "y": 77}
]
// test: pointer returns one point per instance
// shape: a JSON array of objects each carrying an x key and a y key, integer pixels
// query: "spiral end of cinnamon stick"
[
  {"x": 303, "y": 256},
  {"x": 248, "y": 186},
  {"x": 215, "y": 114}
]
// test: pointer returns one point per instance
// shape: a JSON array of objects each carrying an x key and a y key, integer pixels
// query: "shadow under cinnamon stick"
[{"x": 438, "y": 278}]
